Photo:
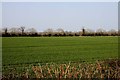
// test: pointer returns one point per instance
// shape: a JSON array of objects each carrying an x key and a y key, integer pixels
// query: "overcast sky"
[{"x": 71, "y": 16}]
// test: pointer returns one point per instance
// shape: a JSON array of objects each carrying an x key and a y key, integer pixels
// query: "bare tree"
[
  {"x": 100, "y": 30},
  {"x": 89, "y": 32},
  {"x": 5, "y": 30},
  {"x": 83, "y": 32},
  {"x": 22, "y": 28},
  {"x": 112, "y": 32},
  {"x": 14, "y": 30},
  {"x": 49, "y": 31},
  {"x": 60, "y": 31},
  {"x": 31, "y": 31}
]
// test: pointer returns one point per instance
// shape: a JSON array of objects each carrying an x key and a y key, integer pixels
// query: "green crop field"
[
  {"x": 58, "y": 57},
  {"x": 30, "y": 50}
]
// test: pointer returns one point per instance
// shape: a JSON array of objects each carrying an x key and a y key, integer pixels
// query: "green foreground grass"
[{"x": 32, "y": 50}]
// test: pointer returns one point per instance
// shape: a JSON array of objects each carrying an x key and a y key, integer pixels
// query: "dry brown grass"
[{"x": 100, "y": 69}]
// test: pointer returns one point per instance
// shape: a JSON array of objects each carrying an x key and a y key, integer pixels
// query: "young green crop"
[
  {"x": 66, "y": 57},
  {"x": 27, "y": 50}
]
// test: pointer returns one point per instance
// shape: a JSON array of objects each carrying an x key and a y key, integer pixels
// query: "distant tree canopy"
[{"x": 22, "y": 31}]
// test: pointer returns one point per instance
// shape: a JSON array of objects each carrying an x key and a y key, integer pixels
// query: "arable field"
[
  {"x": 30, "y": 50},
  {"x": 17, "y": 51}
]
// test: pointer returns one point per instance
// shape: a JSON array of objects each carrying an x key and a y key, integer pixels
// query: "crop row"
[{"x": 100, "y": 69}]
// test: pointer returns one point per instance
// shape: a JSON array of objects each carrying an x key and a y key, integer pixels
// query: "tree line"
[{"x": 31, "y": 32}]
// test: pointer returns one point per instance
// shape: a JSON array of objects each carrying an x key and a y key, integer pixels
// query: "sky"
[
  {"x": 70, "y": 16},
  {"x": 59, "y": 0}
]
